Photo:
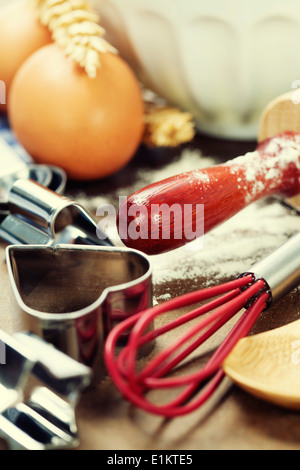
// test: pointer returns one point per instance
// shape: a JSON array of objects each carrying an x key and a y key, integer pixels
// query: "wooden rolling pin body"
[{"x": 167, "y": 214}]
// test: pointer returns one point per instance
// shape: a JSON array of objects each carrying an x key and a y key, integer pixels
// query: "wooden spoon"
[
  {"x": 153, "y": 220},
  {"x": 280, "y": 115},
  {"x": 267, "y": 365}
]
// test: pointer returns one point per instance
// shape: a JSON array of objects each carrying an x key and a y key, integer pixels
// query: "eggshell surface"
[
  {"x": 89, "y": 127},
  {"x": 21, "y": 34}
]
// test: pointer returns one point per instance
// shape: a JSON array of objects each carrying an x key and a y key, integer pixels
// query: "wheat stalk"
[{"x": 74, "y": 25}]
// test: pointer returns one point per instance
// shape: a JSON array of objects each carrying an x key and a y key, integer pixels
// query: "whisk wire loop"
[
  {"x": 223, "y": 314},
  {"x": 233, "y": 296}
]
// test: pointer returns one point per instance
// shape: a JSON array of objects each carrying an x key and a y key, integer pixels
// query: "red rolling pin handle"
[{"x": 170, "y": 213}]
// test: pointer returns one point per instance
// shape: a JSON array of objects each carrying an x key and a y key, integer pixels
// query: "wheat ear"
[{"x": 74, "y": 25}]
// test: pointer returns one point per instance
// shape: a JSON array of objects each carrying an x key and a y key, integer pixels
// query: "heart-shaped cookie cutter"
[
  {"x": 73, "y": 293},
  {"x": 72, "y": 296}
]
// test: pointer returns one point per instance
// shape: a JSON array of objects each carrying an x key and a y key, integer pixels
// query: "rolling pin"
[{"x": 170, "y": 213}]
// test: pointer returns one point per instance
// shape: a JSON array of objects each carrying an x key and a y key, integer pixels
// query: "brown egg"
[
  {"x": 90, "y": 127},
  {"x": 21, "y": 34}
]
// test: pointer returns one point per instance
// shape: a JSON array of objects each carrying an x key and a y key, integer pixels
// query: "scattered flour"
[{"x": 279, "y": 154}]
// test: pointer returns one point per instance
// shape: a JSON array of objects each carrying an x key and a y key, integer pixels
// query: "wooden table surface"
[{"x": 233, "y": 419}]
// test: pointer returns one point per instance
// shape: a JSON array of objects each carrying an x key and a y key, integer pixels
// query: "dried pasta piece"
[
  {"x": 166, "y": 126},
  {"x": 75, "y": 27}
]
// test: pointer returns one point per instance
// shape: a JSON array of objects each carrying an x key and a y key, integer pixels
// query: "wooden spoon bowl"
[{"x": 267, "y": 365}]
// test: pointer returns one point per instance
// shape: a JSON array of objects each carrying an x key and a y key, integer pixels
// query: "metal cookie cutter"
[
  {"x": 72, "y": 296},
  {"x": 39, "y": 391},
  {"x": 12, "y": 168},
  {"x": 69, "y": 280},
  {"x": 39, "y": 216}
]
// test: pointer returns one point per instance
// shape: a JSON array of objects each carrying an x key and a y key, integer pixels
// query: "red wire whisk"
[{"x": 250, "y": 294}]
